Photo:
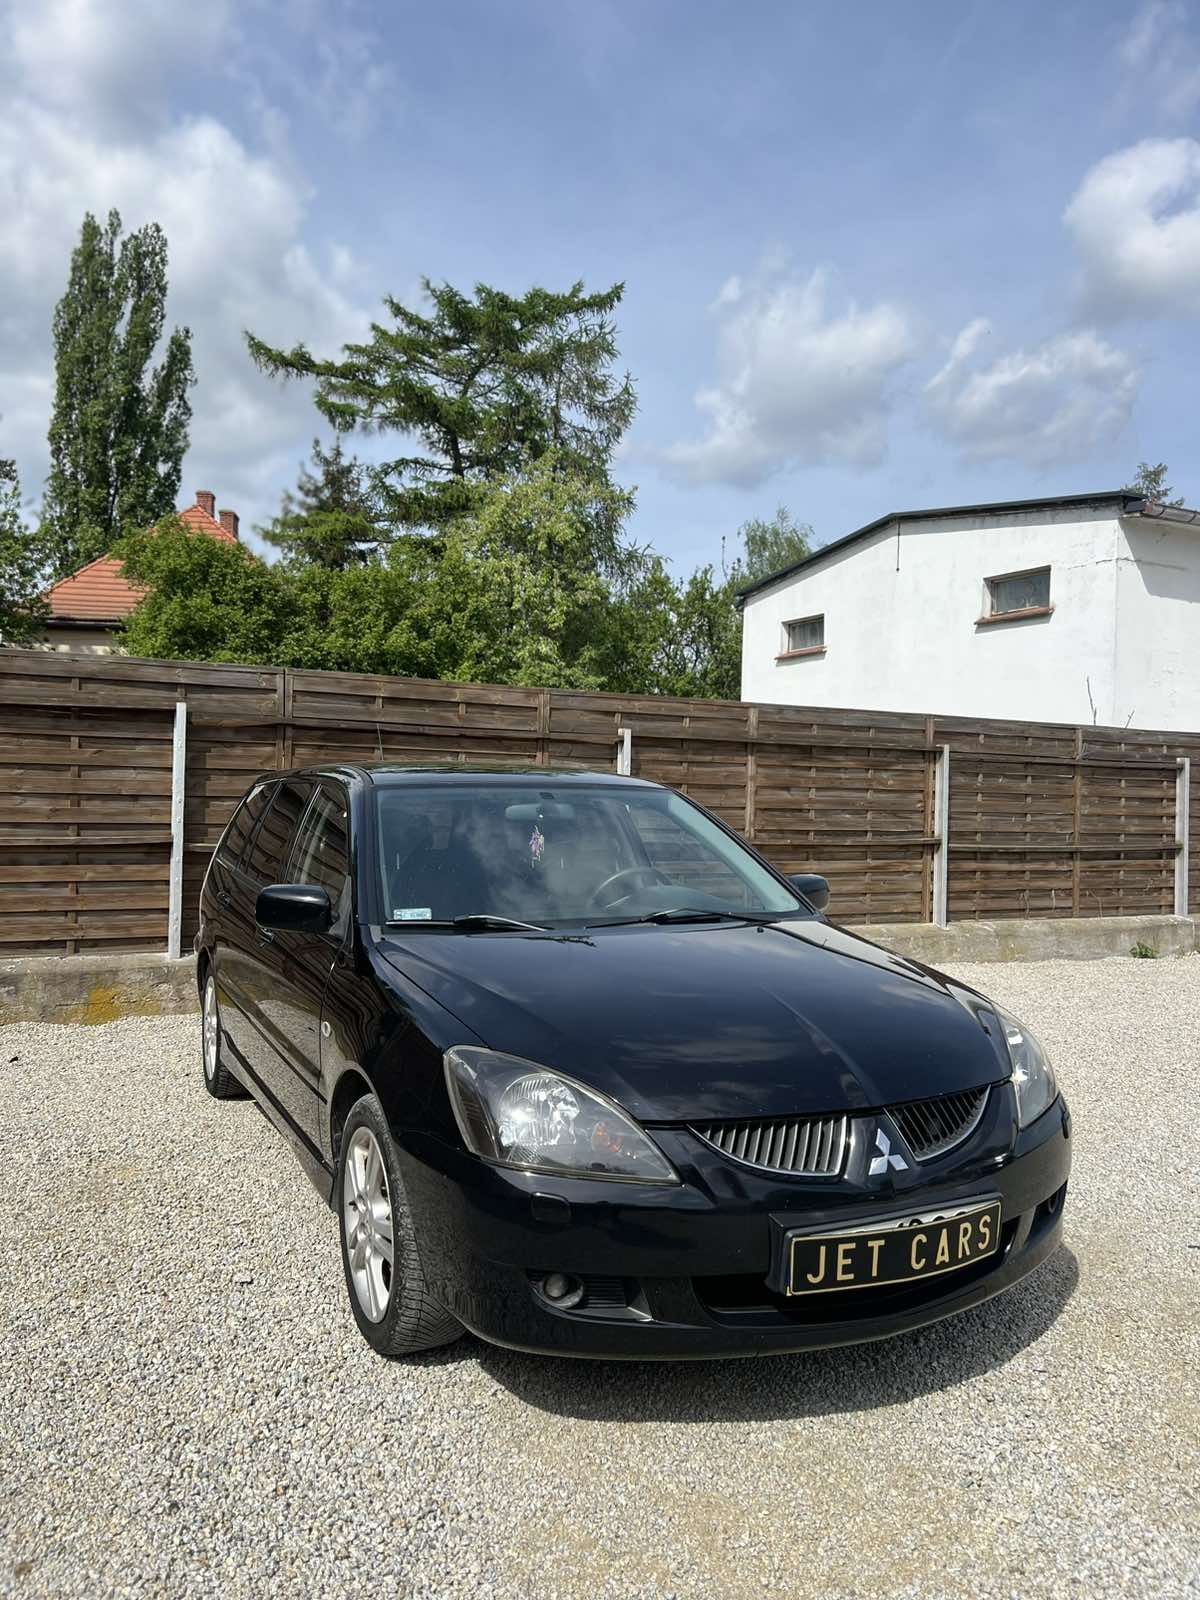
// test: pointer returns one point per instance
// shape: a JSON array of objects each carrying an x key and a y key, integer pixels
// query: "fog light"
[{"x": 561, "y": 1290}]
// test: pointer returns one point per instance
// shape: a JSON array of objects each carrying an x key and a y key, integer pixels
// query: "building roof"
[
  {"x": 100, "y": 593},
  {"x": 1129, "y": 504}
]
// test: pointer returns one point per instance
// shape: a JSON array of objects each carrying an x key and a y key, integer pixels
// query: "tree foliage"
[
  {"x": 331, "y": 519},
  {"x": 119, "y": 426},
  {"x": 484, "y": 384},
  {"x": 22, "y": 566},
  {"x": 537, "y": 585},
  {"x": 522, "y": 591},
  {"x": 207, "y": 599},
  {"x": 770, "y": 545},
  {"x": 1151, "y": 483}
]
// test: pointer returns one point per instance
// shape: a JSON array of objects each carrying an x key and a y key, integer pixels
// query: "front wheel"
[
  {"x": 391, "y": 1304},
  {"x": 218, "y": 1080}
]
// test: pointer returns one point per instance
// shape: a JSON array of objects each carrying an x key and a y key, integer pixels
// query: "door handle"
[{"x": 225, "y": 900}]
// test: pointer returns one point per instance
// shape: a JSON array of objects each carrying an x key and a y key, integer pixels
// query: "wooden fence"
[{"x": 912, "y": 818}]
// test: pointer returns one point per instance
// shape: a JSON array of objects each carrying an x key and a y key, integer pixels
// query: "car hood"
[{"x": 714, "y": 1020}]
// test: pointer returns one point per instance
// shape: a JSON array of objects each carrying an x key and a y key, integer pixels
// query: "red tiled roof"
[{"x": 100, "y": 592}]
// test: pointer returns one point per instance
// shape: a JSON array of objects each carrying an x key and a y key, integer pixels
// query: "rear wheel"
[
  {"x": 218, "y": 1080},
  {"x": 388, "y": 1296}
]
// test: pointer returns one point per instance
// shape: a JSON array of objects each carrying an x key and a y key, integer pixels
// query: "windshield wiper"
[
  {"x": 482, "y": 920},
  {"x": 675, "y": 914}
]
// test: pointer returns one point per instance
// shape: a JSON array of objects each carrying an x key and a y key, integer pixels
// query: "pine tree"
[
  {"x": 486, "y": 385},
  {"x": 119, "y": 428},
  {"x": 1151, "y": 483},
  {"x": 330, "y": 519},
  {"x": 22, "y": 609}
]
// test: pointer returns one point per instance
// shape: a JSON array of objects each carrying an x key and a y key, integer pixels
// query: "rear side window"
[
  {"x": 322, "y": 853},
  {"x": 272, "y": 842},
  {"x": 241, "y": 825}
]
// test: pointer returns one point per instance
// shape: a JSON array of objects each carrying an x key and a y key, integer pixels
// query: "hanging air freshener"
[{"x": 537, "y": 845}]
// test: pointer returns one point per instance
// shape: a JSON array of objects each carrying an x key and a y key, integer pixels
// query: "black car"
[{"x": 580, "y": 1071}]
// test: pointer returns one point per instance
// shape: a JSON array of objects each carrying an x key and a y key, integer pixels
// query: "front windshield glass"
[{"x": 557, "y": 856}]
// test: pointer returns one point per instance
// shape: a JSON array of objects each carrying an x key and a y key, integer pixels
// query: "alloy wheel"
[
  {"x": 211, "y": 1030},
  {"x": 367, "y": 1224}
]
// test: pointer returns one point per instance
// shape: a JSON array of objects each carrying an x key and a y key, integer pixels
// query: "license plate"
[{"x": 899, "y": 1250}]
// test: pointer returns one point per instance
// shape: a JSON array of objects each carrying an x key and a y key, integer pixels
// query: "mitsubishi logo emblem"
[{"x": 886, "y": 1157}]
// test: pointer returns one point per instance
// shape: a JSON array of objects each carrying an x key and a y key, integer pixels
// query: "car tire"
[
  {"x": 218, "y": 1079},
  {"x": 392, "y": 1306}
]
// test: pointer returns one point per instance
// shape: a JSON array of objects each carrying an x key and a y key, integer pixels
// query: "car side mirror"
[
  {"x": 294, "y": 908},
  {"x": 812, "y": 886}
]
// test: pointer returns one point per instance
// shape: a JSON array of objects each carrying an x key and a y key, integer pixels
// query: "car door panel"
[
  {"x": 289, "y": 1012},
  {"x": 233, "y": 906},
  {"x": 256, "y": 957}
]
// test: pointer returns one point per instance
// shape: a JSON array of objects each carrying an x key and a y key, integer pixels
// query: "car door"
[
  {"x": 253, "y": 963},
  {"x": 303, "y": 961},
  {"x": 232, "y": 912}
]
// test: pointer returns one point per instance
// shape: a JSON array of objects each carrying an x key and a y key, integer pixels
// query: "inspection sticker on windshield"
[{"x": 413, "y": 913}]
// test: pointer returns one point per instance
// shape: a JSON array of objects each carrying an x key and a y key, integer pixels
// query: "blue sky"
[{"x": 876, "y": 256}]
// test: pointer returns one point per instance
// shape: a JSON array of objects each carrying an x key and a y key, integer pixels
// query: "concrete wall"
[
  {"x": 98, "y": 641},
  {"x": 901, "y": 623},
  {"x": 1156, "y": 669}
]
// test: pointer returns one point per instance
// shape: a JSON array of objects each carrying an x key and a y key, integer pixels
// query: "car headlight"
[
  {"x": 1032, "y": 1074},
  {"x": 517, "y": 1114}
]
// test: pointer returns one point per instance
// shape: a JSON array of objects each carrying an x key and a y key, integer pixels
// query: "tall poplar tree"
[
  {"x": 483, "y": 385},
  {"x": 119, "y": 428}
]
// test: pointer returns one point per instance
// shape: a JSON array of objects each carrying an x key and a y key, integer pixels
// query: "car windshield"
[{"x": 555, "y": 856}]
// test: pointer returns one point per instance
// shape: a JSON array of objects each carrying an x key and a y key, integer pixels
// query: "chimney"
[
  {"x": 229, "y": 521},
  {"x": 207, "y": 501}
]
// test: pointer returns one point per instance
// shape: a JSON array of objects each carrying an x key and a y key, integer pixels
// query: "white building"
[{"x": 1081, "y": 609}]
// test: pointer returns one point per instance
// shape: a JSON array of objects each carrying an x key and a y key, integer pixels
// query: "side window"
[
  {"x": 322, "y": 853},
  {"x": 1019, "y": 592},
  {"x": 241, "y": 825},
  {"x": 272, "y": 843}
]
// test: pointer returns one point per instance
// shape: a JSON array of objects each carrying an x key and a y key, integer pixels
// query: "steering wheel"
[{"x": 652, "y": 873}]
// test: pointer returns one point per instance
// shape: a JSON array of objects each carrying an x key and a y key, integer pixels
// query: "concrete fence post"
[
  {"x": 941, "y": 832},
  {"x": 625, "y": 752},
  {"x": 178, "y": 781},
  {"x": 1183, "y": 801}
]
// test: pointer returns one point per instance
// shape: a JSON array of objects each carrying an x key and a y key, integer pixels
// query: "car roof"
[{"x": 389, "y": 774}]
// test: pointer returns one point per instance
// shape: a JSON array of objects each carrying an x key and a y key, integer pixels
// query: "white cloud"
[
  {"x": 1160, "y": 58},
  {"x": 234, "y": 219},
  {"x": 109, "y": 63},
  {"x": 1057, "y": 402},
  {"x": 1135, "y": 222},
  {"x": 797, "y": 382}
]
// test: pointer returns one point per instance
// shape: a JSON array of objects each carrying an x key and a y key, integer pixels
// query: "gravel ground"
[{"x": 187, "y": 1408}]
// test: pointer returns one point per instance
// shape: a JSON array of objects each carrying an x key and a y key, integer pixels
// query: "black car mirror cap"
[
  {"x": 294, "y": 908},
  {"x": 812, "y": 886}
]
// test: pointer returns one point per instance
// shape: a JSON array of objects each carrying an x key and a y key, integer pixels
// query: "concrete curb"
[
  {"x": 96, "y": 987},
  {"x": 1035, "y": 939},
  {"x": 99, "y": 988}
]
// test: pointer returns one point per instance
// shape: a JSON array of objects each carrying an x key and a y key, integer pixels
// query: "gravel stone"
[{"x": 186, "y": 1407}]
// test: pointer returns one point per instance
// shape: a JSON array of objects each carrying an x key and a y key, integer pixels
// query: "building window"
[
  {"x": 805, "y": 636},
  {"x": 1018, "y": 594}
]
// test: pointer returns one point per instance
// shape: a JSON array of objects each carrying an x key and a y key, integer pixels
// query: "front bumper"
[{"x": 687, "y": 1271}]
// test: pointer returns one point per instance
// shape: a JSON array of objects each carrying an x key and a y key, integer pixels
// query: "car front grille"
[
  {"x": 931, "y": 1127},
  {"x": 810, "y": 1147},
  {"x": 815, "y": 1147}
]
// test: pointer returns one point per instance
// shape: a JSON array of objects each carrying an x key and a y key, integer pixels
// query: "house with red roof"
[{"x": 87, "y": 608}]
